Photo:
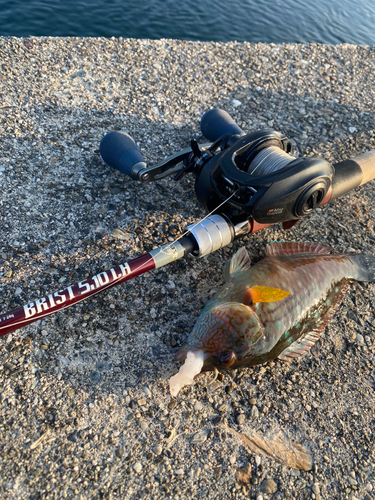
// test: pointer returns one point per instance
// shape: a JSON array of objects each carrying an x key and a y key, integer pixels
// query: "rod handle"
[
  {"x": 352, "y": 173},
  {"x": 367, "y": 163}
]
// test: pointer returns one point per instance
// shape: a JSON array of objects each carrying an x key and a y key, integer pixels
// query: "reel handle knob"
[
  {"x": 119, "y": 151},
  {"x": 216, "y": 123}
]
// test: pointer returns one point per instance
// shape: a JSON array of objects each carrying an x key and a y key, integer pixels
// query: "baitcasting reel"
[{"x": 252, "y": 176}]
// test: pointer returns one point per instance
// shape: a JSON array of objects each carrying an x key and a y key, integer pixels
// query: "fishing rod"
[{"x": 246, "y": 182}]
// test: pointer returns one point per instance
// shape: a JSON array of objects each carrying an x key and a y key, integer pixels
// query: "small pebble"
[
  {"x": 144, "y": 425},
  {"x": 316, "y": 489},
  {"x": 198, "y": 406},
  {"x": 216, "y": 421},
  {"x": 172, "y": 404},
  {"x": 95, "y": 377},
  {"x": 241, "y": 419},
  {"x": 223, "y": 408},
  {"x": 254, "y": 412},
  {"x": 103, "y": 366},
  {"x": 137, "y": 467},
  {"x": 268, "y": 486},
  {"x": 199, "y": 437},
  {"x": 157, "y": 449}
]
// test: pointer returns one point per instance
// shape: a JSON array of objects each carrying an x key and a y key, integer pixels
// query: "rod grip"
[
  {"x": 352, "y": 173},
  {"x": 119, "y": 151},
  {"x": 216, "y": 123},
  {"x": 366, "y": 161}
]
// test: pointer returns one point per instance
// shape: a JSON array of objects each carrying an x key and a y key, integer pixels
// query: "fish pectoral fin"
[
  {"x": 301, "y": 345},
  {"x": 235, "y": 266},
  {"x": 259, "y": 293}
]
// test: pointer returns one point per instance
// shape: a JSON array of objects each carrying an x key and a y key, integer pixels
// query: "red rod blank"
[{"x": 40, "y": 308}]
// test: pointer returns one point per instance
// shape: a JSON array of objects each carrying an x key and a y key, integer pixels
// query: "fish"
[{"x": 276, "y": 308}]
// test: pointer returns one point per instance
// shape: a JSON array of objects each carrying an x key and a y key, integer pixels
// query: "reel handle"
[
  {"x": 119, "y": 151},
  {"x": 216, "y": 123}
]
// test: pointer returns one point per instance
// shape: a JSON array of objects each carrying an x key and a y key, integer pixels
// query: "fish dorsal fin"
[
  {"x": 239, "y": 263},
  {"x": 288, "y": 247}
]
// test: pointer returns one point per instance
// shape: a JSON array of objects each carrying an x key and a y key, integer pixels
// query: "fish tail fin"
[{"x": 365, "y": 267}]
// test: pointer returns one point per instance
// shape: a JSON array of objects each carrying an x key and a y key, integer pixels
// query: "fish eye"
[{"x": 227, "y": 358}]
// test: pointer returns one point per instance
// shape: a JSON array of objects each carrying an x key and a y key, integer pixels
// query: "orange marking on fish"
[{"x": 259, "y": 293}]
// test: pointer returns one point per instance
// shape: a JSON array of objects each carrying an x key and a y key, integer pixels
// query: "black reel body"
[
  {"x": 250, "y": 176},
  {"x": 267, "y": 183}
]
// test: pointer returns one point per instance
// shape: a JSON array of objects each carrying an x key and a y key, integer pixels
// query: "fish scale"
[
  {"x": 307, "y": 281},
  {"x": 297, "y": 288}
]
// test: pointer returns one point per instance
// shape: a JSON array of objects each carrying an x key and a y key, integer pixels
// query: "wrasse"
[{"x": 276, "y": 309}]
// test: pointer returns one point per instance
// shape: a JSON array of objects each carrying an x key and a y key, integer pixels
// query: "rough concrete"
[{"x": 84, "y": 405}]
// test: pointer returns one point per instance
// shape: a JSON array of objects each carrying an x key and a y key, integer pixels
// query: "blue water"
[{"x": 322, "y": 21}]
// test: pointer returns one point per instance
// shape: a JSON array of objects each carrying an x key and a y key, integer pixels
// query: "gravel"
[{"x": 75, "y": 419}]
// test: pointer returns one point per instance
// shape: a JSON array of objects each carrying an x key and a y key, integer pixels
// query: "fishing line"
[
  {"x": 163, "y": 249},
  {"x": 269, "y": 160}
]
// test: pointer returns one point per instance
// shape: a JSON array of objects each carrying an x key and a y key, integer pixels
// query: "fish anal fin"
[
  {"x": 287, "y": 248},
  {"x": 259, "y": 293},
  {"x": 301, "y": 345},
  {"x": 239, "y": 263}
]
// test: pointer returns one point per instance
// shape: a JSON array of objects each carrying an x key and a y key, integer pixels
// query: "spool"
[{"x": 269, "y": 160}]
